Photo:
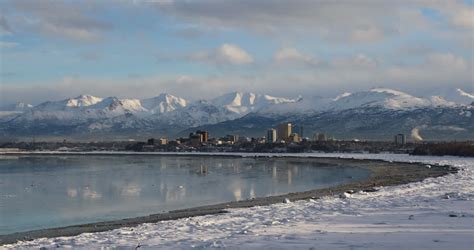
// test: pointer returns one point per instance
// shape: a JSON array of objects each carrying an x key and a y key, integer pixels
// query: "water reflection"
[
  {"x": 89, "y": 194},
  {"x": 132, "y": 189},
  {"x": 41, "y": 192},
  {"x": 237, "y": 193},
  {"x": 72, "y": 192}
]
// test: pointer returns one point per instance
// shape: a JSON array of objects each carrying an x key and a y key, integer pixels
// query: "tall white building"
[{"x": 271, "y": 135}]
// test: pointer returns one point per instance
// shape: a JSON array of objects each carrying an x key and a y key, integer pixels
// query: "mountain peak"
[
  {"x": 163, "y": 103},
  {"x": 454, "y": 95},
  {"x": 83, "y": 101},
  {"x": 388, "y": 91},
  {"x": 345, "y": 94}
]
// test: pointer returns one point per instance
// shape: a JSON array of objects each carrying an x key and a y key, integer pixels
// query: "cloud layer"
[
  {"x": 225, "y": 54},
  {"x": 54, "y": 49}
]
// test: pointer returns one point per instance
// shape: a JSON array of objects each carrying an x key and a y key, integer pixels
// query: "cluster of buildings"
[
  {"x": 197, "y": 139},
  {"x": 283, "y": 134},
  {"x": 283, "y": 138}
]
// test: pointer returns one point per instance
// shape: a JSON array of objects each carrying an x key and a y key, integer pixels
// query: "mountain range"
[{"x": 378, "y": 113}]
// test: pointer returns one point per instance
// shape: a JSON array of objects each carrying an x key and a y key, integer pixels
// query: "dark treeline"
[
  {"x": 425, "y": 148},
  {"x": 445, "y": 148}
]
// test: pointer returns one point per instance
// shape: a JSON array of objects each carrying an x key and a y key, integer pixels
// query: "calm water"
[{"x": 52, "y": 191}]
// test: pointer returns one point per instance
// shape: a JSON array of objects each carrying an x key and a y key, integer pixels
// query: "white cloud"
[
  {"x": 364, "y": 21},
  {"x": 294, "y": 56},
  {"x": 69, "y": 32},
  {"x": 464, "y": 18},
  {"x": 344, "y": 74},
  {"x": 234, "y": 54},
  {"x": 358, "y": 61},
  {"x": 346, "y": 21},
  {"x": 225, "y": 54}
]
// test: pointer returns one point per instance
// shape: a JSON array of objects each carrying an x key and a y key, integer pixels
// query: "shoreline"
[{"x": 382, "y": 173}]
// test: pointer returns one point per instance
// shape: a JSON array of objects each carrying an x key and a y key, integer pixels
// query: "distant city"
[
  {"x": 283, "y": 134},
  {"x": 284, "y": 138}
]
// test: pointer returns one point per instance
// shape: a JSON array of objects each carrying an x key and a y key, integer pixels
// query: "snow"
[
  {"x": 465, "y": 94},
  {"x": 345, "y": 94},
  {"x": 436, "y": 213},
  {"x": 83, "y": 101},
  {"x": 243, "y": 103},
  {"x": 133, "y": 105},
  {"x": 381, "y": 97},
  {"x": 388, "y": 91},
  {"x": 455, "y": 95},
  {"x": 164, "y": 103},
  {"x": 169, "y": 109}
]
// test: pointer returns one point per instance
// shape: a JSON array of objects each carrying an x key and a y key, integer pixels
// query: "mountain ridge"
[{"x": 171, "y": 115}]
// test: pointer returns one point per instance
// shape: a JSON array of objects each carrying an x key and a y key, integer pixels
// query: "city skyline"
[{"x": 55, "y": 49}]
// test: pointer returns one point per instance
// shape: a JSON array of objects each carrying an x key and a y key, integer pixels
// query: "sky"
[{"x": 51, "y": 49}]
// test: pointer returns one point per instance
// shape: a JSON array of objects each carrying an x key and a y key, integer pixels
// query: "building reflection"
[
  {"x": 252, "y": 194},
  {"x": 175, "y": 193},
  {"x": 72, "y": 192},
  {"x": 237, "y": 193},
  {"x": 290, "y": 176},
  {"x": 131, "y": 190},
  {"x": 203, "y": 170},
  {"x": 90, "y": 194}
]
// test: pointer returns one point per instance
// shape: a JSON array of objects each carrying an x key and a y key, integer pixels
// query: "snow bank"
[{"x": 434, "y": 214}]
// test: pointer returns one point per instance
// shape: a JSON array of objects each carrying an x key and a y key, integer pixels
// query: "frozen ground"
[{"x": 433, "y": 214}]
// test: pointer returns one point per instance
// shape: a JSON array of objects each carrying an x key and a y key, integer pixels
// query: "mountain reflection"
[{"x": 52, "y": 191}]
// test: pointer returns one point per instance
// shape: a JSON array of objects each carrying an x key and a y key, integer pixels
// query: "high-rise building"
[
  {"x": 195, "y": 139},
  {"x": 231, "y": 138},
  {"x": 163, "y": 141},
  {"x": 294, "y": 138},
  {"x": 204, "y": 134},
  {"x": 284, "y": 131},
  {"x": 271, "y": 135},
  {"x": 320, "y": 137},
  {"x": 400, "y": 139}
]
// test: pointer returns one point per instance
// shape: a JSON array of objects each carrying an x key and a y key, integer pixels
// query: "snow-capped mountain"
[
  {"x": 198, "y": 113},
  {"x": 383, "y": 97},
  {"x": 68, "y": 104},
  {"x": 83, "y": 101},
  {"x": 170, "y": 114},
  {"x": 302, "y": 105},
  {"x": 375, "y": 97},
  {"x": 114, "y": 106},
  {"x": 242, "y": 103},
  {"x": 164, "y": 103},
  {"x": 455, "y": 95}
]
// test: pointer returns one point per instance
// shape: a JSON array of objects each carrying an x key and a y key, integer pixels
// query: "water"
[{"x": 52, "y": 191}]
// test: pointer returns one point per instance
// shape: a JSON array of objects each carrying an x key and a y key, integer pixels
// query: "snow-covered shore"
[{"x": 434, "y": 214}]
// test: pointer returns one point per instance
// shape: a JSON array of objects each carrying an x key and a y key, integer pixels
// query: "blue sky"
[{"x": 53, "y": 49}]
